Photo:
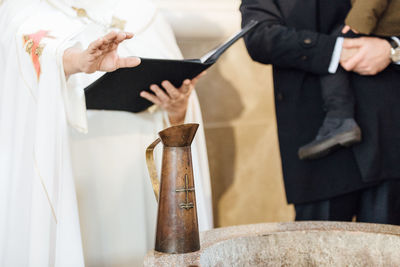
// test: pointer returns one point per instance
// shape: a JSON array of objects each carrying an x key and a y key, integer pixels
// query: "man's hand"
[
  {"x": 372, "y": 57},
  {"x": 101, "y": 55},
  {"x": 348, "y": 54},
  {"x": 173, "y": 100}
]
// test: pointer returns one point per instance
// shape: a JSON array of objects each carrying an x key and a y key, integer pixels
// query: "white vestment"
[
  {"x": 39, "y": 224},
  {"x": 38, "y": 217}
]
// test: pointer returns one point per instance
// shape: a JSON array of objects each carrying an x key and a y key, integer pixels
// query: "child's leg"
[
  {"x": 337, "y": 95},
  {"x": 339, "y": 127}
]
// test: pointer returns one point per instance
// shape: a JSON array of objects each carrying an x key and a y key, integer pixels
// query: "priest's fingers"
[
  {"x": 152, "y": 98},
  {"x": 122, "y": 36},
  {"x": 96, "y": 45},
  {"x": 171, "y": 90},
  {"x": 129, "y": 35},
  {"x": 160, "y": 93},
  {"x": 105, "y": 40},
  {"x": 111, "y": 37},
  {"x": 185, "y": 88},
  {"x": 99, "y": 45},
  {"x": 191, "y": 88},
  {"x": 109, "y": 41},
  {"x": 128, "y": 62}
]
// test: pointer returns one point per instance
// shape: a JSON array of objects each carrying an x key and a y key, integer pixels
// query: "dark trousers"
[{"x": 378, "y": 204}]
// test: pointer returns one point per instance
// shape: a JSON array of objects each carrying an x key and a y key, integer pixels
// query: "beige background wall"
[{"x": 239, "y": 119}]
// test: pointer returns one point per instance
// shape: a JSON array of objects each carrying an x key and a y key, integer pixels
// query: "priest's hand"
[
  {"x": 173, "y": 100},
  {"x": 101, "y": 55}
]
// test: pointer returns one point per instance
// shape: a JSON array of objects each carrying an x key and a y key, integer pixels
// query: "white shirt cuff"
[
  {"x": 397, "y": 40},
  {"x": 337, "y": 51}
]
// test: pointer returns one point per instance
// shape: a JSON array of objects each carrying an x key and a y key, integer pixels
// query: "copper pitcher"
[{"x": 177, "y": 226}]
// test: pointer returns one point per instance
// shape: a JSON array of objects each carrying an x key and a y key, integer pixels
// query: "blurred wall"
[{"x": 238, "y": 111}]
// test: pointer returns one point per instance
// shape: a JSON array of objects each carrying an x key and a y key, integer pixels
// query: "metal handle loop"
[{"x": 151, "y": 166}]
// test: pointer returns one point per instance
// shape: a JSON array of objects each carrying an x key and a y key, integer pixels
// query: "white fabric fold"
[{"x": 74, "y": 97}]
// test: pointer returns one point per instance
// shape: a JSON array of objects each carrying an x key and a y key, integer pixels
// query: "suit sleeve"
[
  {"x": 365, "y": 14},
  {"x": 273, "y": 42}
]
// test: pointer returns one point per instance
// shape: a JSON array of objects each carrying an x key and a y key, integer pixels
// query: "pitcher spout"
[{"x": 179, "y": 136}]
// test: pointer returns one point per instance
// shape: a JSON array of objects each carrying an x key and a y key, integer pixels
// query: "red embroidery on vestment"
[{"x": 35, "y": 49}]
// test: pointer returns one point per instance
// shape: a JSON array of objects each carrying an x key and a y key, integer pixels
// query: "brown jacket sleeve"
[{"x": 365, "y": 14}]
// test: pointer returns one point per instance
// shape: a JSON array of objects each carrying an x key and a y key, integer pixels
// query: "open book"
[{"x": 120, "y": 90}]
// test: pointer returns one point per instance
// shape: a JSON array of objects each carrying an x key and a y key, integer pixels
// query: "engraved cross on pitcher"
[{"x": 187, "y": 205}]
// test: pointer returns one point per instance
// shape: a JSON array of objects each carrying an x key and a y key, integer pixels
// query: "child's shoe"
[{"x": 333, "y": 133}]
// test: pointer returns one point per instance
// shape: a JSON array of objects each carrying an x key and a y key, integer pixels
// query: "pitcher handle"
[{"x": 151, "y": 166}]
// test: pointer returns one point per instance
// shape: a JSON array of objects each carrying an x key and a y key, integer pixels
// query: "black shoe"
[{"x": 332, "y": 134}]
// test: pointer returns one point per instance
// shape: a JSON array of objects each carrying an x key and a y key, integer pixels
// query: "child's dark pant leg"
[{"x": 337, "y": 94}]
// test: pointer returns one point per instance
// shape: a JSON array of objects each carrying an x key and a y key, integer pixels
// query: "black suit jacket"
[{"x": 293, "y": 37}]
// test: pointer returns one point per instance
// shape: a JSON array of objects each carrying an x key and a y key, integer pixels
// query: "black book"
[{"x": 120, "y": 90}]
